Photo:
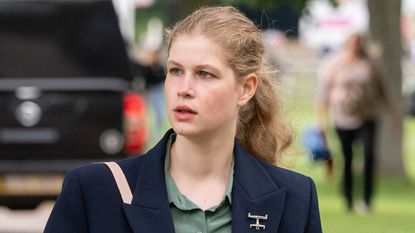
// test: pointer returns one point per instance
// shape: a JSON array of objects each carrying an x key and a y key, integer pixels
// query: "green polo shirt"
[{"x": 187, "y": 216}]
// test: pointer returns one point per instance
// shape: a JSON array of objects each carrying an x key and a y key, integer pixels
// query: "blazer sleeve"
[
  {"x": 69, "y": 213},
  {"x": 314, "y": 223}
]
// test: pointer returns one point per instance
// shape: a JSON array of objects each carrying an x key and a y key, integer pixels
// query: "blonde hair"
[{"x": 259, "y": 128}]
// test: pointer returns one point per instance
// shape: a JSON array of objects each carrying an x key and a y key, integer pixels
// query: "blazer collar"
[{"x": 253, "y": 192}]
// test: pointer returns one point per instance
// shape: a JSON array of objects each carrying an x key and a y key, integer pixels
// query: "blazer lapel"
[
  {"x": 254, "y": 192},
  {"x": 150, "y": 211}
]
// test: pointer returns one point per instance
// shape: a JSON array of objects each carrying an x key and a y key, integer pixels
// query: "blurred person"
[
  {"x": 214, "y": 171},
  {"x": 274, "y": 40},
  {"x": 350, "y": 92},
  {"x": 154, "y": 73}
]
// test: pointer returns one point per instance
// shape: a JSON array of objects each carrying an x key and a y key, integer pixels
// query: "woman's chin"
[{"x": 185, "y": 130}]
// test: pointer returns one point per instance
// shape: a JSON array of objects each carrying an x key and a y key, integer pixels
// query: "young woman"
[
  {"x": 213, "y": 171},
  {"x": 351, "y": 91}
]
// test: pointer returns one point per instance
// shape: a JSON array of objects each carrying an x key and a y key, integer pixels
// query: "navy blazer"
[{"x": 90, "y": 200}]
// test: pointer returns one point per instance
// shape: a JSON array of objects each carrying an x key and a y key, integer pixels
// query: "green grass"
[
  {"x": 409, "y": 147},
  {"x": 394, "y": 199},
  {"x": 394, "y": 210}
]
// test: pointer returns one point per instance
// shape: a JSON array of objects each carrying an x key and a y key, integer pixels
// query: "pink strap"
[{"x": 121, "y": 181}]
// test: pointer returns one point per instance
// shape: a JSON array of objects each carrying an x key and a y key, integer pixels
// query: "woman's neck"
[{"x": 203, "y": 157}]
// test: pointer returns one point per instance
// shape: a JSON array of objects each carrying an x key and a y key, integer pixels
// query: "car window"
[{"x": 61, "y": 40}]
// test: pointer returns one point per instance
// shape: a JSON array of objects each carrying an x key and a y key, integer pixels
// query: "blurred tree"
[
  {"x": 172, "y": 11},
  {"x": 297, "y": 4},
  {"x": 283, "y": 17},
  {"x": 386, "y": 37},
  {"x": 180, "y": 8},
  {"x": 144, "y": 14}
]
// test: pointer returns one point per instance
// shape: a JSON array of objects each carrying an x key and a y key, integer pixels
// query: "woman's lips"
[{"x": 184, "y": 112}]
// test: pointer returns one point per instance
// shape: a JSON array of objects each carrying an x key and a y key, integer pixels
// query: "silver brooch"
[{"x": 257, "y": 225}]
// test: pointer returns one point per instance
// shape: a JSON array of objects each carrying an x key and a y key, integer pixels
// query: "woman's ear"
[{"x": 248, "y": 88}]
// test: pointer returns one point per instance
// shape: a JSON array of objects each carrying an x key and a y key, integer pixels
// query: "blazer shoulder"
[
  {"x": 98, "y": 167},
  {"x": 291, "y": 180},
  {"x": 97, "y": 173}
]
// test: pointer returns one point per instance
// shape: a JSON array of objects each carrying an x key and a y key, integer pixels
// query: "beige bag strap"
[{"x": 121, "y": 181}]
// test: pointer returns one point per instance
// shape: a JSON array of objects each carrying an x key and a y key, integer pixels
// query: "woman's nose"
[{"x": 186, "y": 89}]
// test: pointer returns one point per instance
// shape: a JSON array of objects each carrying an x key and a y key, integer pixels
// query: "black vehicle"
[{"x": 65, "y": 94}]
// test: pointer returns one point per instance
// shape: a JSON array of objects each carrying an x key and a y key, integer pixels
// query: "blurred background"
[{"x": 82, "y": 81}]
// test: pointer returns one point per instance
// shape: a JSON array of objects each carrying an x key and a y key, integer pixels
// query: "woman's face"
[{"x": 202, "y": 94}]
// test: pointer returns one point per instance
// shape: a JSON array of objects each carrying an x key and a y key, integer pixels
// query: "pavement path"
[{"x": 24, "y": 221}]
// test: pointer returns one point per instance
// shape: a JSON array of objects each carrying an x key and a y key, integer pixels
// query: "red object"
[{"x": 135, "y": 127}]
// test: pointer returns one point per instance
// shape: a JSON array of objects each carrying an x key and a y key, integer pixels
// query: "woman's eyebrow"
[
  {"x": 172, "y": 62},
  {"x": 197, "y": 67},
  {"x": 209, "y": 67}
]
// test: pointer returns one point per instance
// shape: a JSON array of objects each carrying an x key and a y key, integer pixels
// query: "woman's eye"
[
  {"x": 204, "y": 74},
  {"x": 174, "y": 71}
]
